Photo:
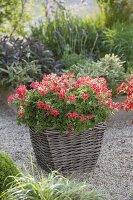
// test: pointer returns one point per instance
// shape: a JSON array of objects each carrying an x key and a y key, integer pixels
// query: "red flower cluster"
[
  {"x": 71, "y": 98},
  {"x": 41, "y": 105},
  {"x": 11, "y": 99},
  {"x": 127, "y": 88},
  {"x": 21, "y": 91},
  {"x": 76, "y": 104},
  {"x": 75, "y": 115},
  {"x": 54, "y": 112},
  {"x": 50, "y": 111},
  {"x": 63, "y": 84},
  {"x": 85, "y": 96}
]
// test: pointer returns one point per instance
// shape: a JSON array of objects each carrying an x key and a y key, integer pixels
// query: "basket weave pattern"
[{"x": 55, "y": 151}]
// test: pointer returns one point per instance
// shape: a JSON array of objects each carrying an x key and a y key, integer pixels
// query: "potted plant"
[{"x": 66, "y": 117}]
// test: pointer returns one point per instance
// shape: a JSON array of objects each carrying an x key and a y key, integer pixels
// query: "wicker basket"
[{"x": 55, "y": 151}]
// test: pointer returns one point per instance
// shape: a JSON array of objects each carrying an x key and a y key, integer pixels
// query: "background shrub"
[
  {"x": 7, "y": 168},
  {"x": 67, "y": 31},
  {"x": 110, "y": 67},
  {"x": 22, "y": 61},
  {"x": 70, "y": 59},
  {"x": 119, "y": 40},
  {"x": 116, "y": 10}
]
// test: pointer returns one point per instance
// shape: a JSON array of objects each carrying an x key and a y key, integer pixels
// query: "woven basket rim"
[{"x": 66, "y": 132}]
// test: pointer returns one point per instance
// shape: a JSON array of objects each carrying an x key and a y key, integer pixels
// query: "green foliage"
[
  {"x": 70, "y": 59},
  {"x": 18, "y": 73},
  {"x": 7, "y": 168},
  {"x": 13, "y": 16},
  {"x": 67, "y": 31},
  {"x": 52, "y": 187},
  {"x": 110, "y": 67},
  {"x": 119, "y": 40},
  {"x": 116, "y": 10}
]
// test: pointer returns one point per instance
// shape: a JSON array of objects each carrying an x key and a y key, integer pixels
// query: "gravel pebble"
[{"x": 113, "y": 173}]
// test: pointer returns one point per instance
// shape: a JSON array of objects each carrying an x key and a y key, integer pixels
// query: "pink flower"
[
  {"x": 71, "y": 98},
  {"x": 108, "y": 103},
  {"x": 34, "y": 85},
  {"x": 21, "y": 91},
  {"x": 122, "y": 88},
  {"x": 90, "y": 117},
  {"x": 69, "y": 115},
  {"x": 20, "y": 113},
  {"x": 11, "y": 99},
  {"x": 62, "y": 93},
  {"x": 118, "y": 106},
  {"x": 46, "y": 106},
  {"x": 73, "y": 115},
  {"x": 85, "y": 96},
  {"x": 83, "y": 117},
  {"x": 40, "y": 105},
  {"x": 54, "y": 112},
  {"x": 42, "y": 90}
]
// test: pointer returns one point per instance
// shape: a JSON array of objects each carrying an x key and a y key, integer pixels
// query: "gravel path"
[{"x": 113, "y": 173}]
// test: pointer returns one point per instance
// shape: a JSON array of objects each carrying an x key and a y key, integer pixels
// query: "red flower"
[
  {"x": 34, "y": 85},
  {"x": 128, "y": 89},
  {"x": 62, "y": 93},
  {"x": 11, "y": 99},
  {"x": 42, "y": 90},
  {"x": 100, "y": 100},
  {"x": 71, "y": 98},
  {"x": 90, "y": 117},
  {"x": 21, "y": 91},
  {"x": 83, "y": 117},
  {"x": 69, "y": 115},
  {"x": 109, "y": 104},
  {"x": 46, "y": 106},
  {"x": 122, "y": 88},
  {"x": 75, "y": 115},
  {"x": 85, "y": 96},
  {"x": 129, "y": 105},
  {"x": 54, "y": 112},
  {"x": 118, "y": 106},
  {"x": 20, "y": 113},
  {"x": 40, "y": 105}
]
